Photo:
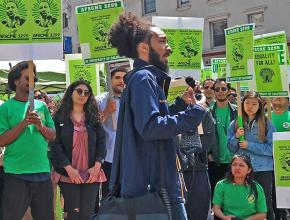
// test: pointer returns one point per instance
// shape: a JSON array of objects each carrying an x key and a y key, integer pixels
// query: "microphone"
[{"x": 190, "y": 82}]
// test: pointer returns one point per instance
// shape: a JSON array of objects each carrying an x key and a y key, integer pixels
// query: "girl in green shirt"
[{"x": 238, "y": 196}]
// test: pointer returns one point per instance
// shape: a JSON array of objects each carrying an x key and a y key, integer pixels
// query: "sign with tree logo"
[
  {"x": 30, "y": 29},
  {"x": 77, "y": 70},
  {"x": 184, "y": 36},
  {"x": 239, "y": 52},
  {"x": 94, "y": 22},
  {"x": 271, "y": 70},
  {"x": 281, "y": 155}
]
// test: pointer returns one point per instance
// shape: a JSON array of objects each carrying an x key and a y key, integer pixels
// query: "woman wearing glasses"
[{"x": 79, "y": 150}]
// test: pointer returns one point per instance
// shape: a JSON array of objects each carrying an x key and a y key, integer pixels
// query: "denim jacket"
[{"x": 261, "y": 153}]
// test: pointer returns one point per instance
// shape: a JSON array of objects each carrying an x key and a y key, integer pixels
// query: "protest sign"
[
  {"x": 30, "y": 29},
  {"x": 239, "y": 52},
  {"x": 77, "y": 70},
  {"x": 271, "y": 70},
  {"x": 185, "y": 39},
  {"x": 218, "y": 66},
  {"x": 281, "y": 151},
  {"x": 206, "y": 73},
  {"x": 279, "y": 37},
  {"x": 94, "y": 22}
]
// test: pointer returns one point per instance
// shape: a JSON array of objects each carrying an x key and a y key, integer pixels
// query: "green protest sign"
[
  {"x": 243, "y": 86},
  {"x": 282, "y": 162},
  {"x": 239, "y": 52},
  {"x": 271, "y": 70},
  {"x": 219, "y": 67},
  {"x": 206, "y": 73},
  {"x": 177, "y": 88},
  {"x": 187, "y": 48},
  {"x": 79, "y": 71},
  {"x": 273, "y": 38},
  {"x": 94, "y": 22},
  {"x": 30, "y": 21}
]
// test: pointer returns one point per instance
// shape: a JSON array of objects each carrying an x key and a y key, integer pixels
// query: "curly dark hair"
[
  {"x": 15, "y": 73},
  {"x": 250, "y": 177},
  {"x": 128, "y": 32},
  {"x": 90, "y": 108}
]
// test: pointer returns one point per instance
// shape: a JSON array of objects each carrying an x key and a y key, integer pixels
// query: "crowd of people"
[{"x": 209, "y": 171}]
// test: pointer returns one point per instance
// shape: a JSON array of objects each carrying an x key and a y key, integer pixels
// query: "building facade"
[{"x": 269, "y": 16}]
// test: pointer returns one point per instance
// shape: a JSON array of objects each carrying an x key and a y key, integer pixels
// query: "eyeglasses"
[
  {"x": 35, "y": 79},
  {"x": 218, "y": 89},
  {"x": 208, "y": 87},
  {"x": 38, "y": 97},
  {"x": 81, "y": 92}
]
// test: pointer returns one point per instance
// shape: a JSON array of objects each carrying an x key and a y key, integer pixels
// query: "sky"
[{"x": 41, "y": 65}]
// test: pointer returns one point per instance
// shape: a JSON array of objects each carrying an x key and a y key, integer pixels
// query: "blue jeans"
[{"x": 178, "y": 211}]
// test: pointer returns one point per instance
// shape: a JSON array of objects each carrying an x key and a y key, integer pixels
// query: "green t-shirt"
[
  {"x": 235, "y": 200},
  {"x": 27, "y": 154},
  {"x": 281, "y": 121},
  {"x": 223, "y": 122}
]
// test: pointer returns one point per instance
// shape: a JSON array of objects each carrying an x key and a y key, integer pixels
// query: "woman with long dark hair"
[
  {"x": 239, "y": 196},
  {"x": 258, "y": 143},
  {"x": 79, "y": 150}
]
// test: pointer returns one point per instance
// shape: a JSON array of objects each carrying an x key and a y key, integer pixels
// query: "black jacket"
[{"x": 61, "y": 147}]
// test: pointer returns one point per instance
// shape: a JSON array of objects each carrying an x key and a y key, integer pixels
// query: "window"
[
  {"x": 217, "y": 32},
  {"x": 149, "y": 6},
  {"x": 257, "y": 18},
  {"x": 64, "y": 20},
  {"x": 183, "y": 2}
]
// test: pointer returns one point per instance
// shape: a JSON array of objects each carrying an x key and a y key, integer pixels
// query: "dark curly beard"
[{"x": 154, "y": 59}]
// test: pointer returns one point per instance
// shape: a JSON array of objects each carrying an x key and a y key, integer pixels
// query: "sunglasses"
[
  {"x": 35, "y": 79},
  {"x": 38, "y": 97},
  {"x": 208, "y": 87},
  {"x": 218, "y": 89},
  {"x": 81, "y": 92}
]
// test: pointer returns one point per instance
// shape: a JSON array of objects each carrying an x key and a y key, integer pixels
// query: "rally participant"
[
  {"x": 25, "y": 133},
  {"x": 258, "y": 132},
  {"x": 239, "y": 196},
  {"x": 144, "y": 119},
  {"x": 78, "y": 150}
]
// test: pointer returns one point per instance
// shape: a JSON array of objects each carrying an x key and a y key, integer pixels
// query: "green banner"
[
  {"x": 282, "y": 162},
  {"x": 79, "y": 71},
  {"x": 219, "y": 67},
  {"x": 187, "y": 48},
  {"x": 206, "y": 73},
  {"x": 273, "y": 38},
  {"x": 94, "y": 22},
  {"x": 239, "y": 52},
  {"x": 30, "y": 21},
  {"x": 271, "y": 70}
]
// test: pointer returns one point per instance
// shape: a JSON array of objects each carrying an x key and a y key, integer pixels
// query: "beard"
[
  {"x": 117, "y": 90},
  {"x": 154, "y": 59}
]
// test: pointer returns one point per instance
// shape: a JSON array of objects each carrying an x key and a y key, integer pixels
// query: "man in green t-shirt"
[
  {"x": 223, "y": 112},
  {"x": 281, "y": 121},
  {"x": 25, "y": 133},
  {"x": 281, "y": 114}
]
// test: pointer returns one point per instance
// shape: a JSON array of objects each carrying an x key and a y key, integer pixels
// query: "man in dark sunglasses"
[
  {"x": 208, "y": 92},
  {"x": 25, "y": 134},
  {"x": 223, "y": 112}
]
